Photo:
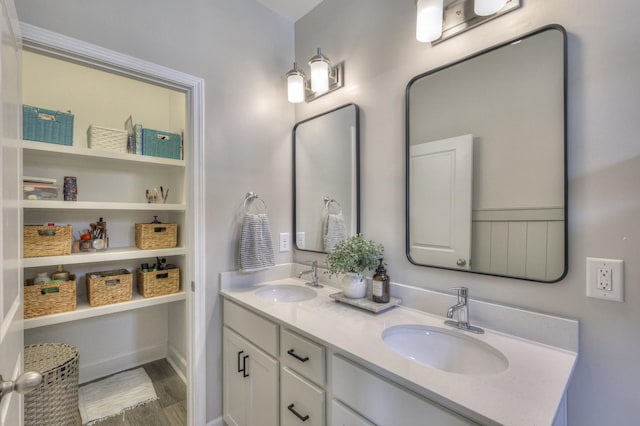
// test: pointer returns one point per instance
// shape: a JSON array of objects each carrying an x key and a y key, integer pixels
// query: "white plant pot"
[{"x": 354, "y": 286}]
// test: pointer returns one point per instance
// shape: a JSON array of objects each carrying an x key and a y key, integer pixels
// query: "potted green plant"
[{"x": 352, "y": 256}]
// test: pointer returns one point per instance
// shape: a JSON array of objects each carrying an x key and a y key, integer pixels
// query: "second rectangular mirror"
[{"x": 326, "y": 179}]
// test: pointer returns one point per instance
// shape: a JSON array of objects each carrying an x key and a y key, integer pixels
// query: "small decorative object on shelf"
[
  {"x": 70, "y": 189},
  {"x": 352, "y": 256}
]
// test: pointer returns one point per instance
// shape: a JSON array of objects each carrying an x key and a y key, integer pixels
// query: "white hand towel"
[
  {"x": 334, "y": 230},
  {"x": 256, "y": 246}
]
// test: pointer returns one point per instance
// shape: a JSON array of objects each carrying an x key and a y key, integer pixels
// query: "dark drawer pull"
[
  {"x": 244, "y": 366},
  {"x": 298, "y": 357},
  {"x": 303, "y": 418},
  {"x": 239, "y": 368}
]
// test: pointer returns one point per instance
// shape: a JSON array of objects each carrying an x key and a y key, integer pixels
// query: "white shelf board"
[
  {"x": 83, "y": 310},
  {"x": 99, "y": 205},
  {"x": 109, "y": 255},
  {"x": 64, "y": 150}
]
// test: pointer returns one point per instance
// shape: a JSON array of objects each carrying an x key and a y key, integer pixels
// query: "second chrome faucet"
[
  {"x": 314, "y": 275},
  {"x": 462, "y": 308}
]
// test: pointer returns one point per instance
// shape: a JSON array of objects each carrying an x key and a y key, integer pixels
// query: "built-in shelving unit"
[
  {"x": 83, "y": 310},
  {"x": 72, "y": 151},
  {"x": 109, "y": 255},
  {"x": 112, "y": 185}
]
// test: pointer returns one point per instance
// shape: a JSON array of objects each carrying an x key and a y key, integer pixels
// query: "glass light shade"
[
  {"x": 487, "y": 7},
  {"x": 319, "y": 76},
  {"x": 295, "y": 88},
  {"x": 429, "y": 20}
]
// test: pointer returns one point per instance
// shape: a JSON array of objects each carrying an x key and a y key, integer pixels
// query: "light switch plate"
[
  {"x": 605, "y": 279},
  {"x": 284, "y": 242}
]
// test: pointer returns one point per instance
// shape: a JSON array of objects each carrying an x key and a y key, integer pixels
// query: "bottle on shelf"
[{"x": 380, "y": 284}]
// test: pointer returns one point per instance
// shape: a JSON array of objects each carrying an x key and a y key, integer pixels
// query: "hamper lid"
[{"x": 44, "y": 357}]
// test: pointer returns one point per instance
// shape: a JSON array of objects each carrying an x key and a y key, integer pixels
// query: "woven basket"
[
  {"x": 55, "y": 401},
  {"x": 47, "y": 240},
  {"x": 107, "y": 287},
  {"x": 107, "y": 139},
  {"x": 49, "y": 298},
  {"x": 45, "y": 125},
  {"x": 158, "y": 283},
  {"x": 150, "y": 236}
]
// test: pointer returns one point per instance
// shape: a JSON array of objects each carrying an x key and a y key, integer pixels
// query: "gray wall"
[
  {"x": 242, "y": 50},
  {"x": 376, "y": 39}
]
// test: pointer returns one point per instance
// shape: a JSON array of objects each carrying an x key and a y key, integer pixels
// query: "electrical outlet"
[
  {"x": 605, "y": 279},
  {"x": 284, "y": 242}
]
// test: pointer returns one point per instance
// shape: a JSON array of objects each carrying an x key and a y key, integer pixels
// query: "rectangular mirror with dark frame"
[
  {"x": 326, "y": 173},
  {"x": 486, "y": 175}
]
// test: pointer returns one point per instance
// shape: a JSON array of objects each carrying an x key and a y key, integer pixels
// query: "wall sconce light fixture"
[
  {"x": 439, "y": 20},
  {"x": 325, "y": 78}
]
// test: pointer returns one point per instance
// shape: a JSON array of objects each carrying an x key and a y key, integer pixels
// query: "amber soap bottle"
[{"x": 380, "y": 284}]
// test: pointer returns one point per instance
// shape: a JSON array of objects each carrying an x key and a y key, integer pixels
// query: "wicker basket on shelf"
[
  {"x": 158, "y": 283},
  {"x": 107, "y": 287},
  {"x": 107, "y": 139},
  {"x": 49, "y": 298},
  {"x": 150, "y": 236},
  {"x": 41, "y": 241}
]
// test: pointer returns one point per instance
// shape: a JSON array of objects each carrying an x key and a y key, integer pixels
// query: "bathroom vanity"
[{"x": 289, "y": 354}]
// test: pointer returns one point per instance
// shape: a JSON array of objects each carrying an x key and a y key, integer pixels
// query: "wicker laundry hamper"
[{"x": 55, "y": 401}]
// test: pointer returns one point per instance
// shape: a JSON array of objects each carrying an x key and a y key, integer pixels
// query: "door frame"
[{"x": 51, "y": 43}]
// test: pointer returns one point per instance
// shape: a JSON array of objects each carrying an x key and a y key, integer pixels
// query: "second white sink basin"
[
  {"x": 286, "y": 293},
  {"x": 447, "y": 350}
]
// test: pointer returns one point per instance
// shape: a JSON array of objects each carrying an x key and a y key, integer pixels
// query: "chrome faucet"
[
  {"x": 462, "y": 308},
  {"x": 314, "y": 275}
]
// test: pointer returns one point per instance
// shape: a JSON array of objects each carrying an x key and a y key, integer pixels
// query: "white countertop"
[{"x": 528, "y": 392}]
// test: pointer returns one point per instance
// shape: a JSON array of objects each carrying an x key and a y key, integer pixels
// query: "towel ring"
[
  {"x": 328, "y": 202},
  {"x": 248, "y": 200}
]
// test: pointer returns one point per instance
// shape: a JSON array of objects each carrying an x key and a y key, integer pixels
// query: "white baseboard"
[
  {"x": 216, "y": 422},
  {"x": 178, "y": 362},
  {"x": 105, "y": 367}
]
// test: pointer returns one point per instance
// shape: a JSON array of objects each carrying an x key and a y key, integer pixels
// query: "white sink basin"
[
  {"x": 286, "y": 293},
  {"x": 447, "y": 350}
]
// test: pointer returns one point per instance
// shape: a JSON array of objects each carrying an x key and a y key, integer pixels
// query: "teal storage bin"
[
  {"x": 161, "y": 144},
  {"x": 45, "y": 125}
]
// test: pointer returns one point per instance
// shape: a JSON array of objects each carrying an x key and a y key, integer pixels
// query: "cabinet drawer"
[
  {"x": 343, "y": 416},
  {"x": 302, "y": 355},
  {"x": 260, "y": 331},
  {"x": 385, "y": 402},
  {"x": 300, "y": 398}
]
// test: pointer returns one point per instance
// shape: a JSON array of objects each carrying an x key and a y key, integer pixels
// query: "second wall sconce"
[
  {"x": 325, "y": 78},
  {"x": 438, "y": 20}
]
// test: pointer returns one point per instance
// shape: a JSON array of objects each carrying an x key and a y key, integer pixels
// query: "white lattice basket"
[{"x": 107, "y": 139}]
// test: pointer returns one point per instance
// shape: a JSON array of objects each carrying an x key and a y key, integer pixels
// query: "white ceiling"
[{"x": 291, "y": 9}]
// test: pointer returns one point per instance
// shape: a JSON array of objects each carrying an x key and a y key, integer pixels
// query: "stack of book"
[{"x": 38, "y": 188}]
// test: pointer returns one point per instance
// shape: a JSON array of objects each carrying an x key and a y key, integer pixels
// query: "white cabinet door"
[
  {"x": 234, "y": 384},
  {"x": 11, "y": 333},
  {"x": 250, "y": 383}
]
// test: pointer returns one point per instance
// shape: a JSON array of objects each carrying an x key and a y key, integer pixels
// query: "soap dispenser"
[{"x": 380, "y": 284}]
